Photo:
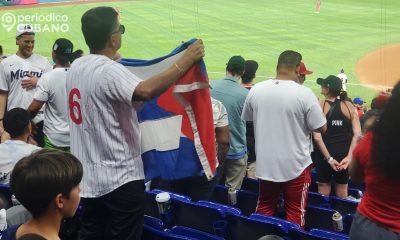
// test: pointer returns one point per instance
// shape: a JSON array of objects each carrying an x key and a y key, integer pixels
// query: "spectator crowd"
[{"x": 70, "y": 136}]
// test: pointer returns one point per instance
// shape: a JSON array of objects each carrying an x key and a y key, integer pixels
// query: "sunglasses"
[{"x": 121, "y": 29}]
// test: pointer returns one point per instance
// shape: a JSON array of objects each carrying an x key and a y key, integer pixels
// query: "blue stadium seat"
[
  {"x": 317, "y": 199},
  {"x": 193, "y": 233},
  {"x": 220, "y": 195},
  {"x": 251, "y": 185},
  {"x": 5, "y": 195},
  {"x": 347, "y": 221},
  {"x": 247, "y": 202},
  {"x": 313, "y": 187},
  {"x": 242, "y": 227},
  {"x": 150, "y": 233},
  {"x": 151, "y": 208},
  {"x": 286, "y": 224},
  {"x": 173, "y": 195},
  {"x": 356, "y": 193},
  {"x": 359, "y": 186},
  {"x": 343, "y": 206},
  {"x": 153, "y": 222},
  {"x": 298, "y": 234},
  {"x": 194, "y": 215},
  {"x": 317, "y": 217},
  {"x": 225, "y": 208},
  {"x": 328, "y": 234}
]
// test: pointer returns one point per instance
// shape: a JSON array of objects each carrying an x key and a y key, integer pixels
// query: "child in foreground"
[{"x": 47, "y": 185}]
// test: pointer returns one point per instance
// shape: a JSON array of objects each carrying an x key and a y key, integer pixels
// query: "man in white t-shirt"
[
  {"x": 284, "y": 114},
  {"x": 103, "y": 100},
  {"x": 51, "y": 89},
  {"x": 17, "y": 124},
  {"x": 343, "y": 77},
  {"x": 21, "y": 74}
]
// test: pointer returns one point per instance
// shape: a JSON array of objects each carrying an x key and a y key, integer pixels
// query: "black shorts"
[{"x": 325, "y": 172}]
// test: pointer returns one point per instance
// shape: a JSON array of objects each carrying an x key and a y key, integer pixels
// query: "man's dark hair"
[
  {"x": 16, "y": 121},
  {"x": 1, "y": 50},
  {"x": 97, "y": 25},
  {"x": 250, "y": 69},
  {"x": 38, "y": 178},
  {"x": 289, "y": 59}
]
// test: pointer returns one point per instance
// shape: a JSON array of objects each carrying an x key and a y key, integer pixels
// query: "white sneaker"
[{"x": 3, "y": 220}]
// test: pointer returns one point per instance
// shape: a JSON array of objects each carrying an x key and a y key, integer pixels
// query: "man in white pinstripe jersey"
[{"x": 103, "y": 97}]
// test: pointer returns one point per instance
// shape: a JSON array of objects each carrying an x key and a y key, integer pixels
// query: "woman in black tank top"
[{"x": 334, "y": 149}]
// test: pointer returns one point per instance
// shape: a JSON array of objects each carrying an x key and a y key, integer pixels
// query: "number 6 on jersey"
[{"x": 75, "y": 106}]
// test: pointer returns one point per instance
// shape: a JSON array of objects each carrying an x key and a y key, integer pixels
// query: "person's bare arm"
[
  {"x": 325, "y": 153},
  {"x": 355, "y": 123},
  {"x": 158, "y": 84},
  {"x": 34, "y": 108},
  {"x": 321, "y": 130},
  {"x": 3, "y": 103},
  {"x": 222, "y": 139}
]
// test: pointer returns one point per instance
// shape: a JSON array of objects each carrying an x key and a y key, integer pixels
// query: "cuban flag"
[{"x": 177, "y": 131}]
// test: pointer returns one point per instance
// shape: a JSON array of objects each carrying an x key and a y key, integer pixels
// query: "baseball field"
[{"x": 360, "y": 36}]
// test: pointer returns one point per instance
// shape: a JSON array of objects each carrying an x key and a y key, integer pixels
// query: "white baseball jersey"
[
  {"x": 11, "y": 151},
  {"x": 103, "y": 122},
  {"x": 220, "y": 116},
  {"x": 343, "y": 77},
  {"x": 284, "y": 113},
  {"x": 16, "y": 70},
  {"x": 51, "y": 89}
]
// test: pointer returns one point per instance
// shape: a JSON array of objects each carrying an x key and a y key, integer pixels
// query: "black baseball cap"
[
  {"x": 332, "y": 82},
  {"x": 237, "y": 63},
  {"x": 63, "y": 48}
]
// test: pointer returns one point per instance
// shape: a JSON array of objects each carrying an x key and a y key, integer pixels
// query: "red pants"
[{"x": 295, "y": 194}]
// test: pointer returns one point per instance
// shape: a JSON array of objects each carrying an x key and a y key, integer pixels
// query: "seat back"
[
  {"x": 242, "y": 227},
  {"x": 153, "y": 222},
  {"x": 193, "y": 233},
  {"x": 343, "y": 206},
  {"x": 317, "y": 199},
  {"x": 150, "y": 233},
  {"x": 194, "y": 215},
  {"x": 347, "y": 221},
  {"x": 286, "y": 224},
  {"x": 328, "y": 234},
  {"x": 220, "y": 194},
  {"x": 247, "y": 202},
  {"x": 224, "y": 208},
  {"x": 359, "y": 186},
  {"x": 298, "y": 234},
  {"x": 356, "y": 193},
  {"x": 250, "y": 185},
  {"x": 317, "y": 217}
]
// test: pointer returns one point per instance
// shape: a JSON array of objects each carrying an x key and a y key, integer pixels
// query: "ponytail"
[{"x": 343, "y": 96}]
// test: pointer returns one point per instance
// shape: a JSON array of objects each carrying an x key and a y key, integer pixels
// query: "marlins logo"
[{"x": 19, "y": 74}]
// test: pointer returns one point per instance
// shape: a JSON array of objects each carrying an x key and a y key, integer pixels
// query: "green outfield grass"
[{"x": 338, "y": 37}]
